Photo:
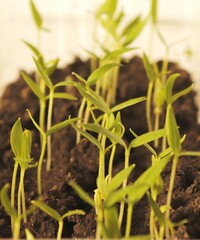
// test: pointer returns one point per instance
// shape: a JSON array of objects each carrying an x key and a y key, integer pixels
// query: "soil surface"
[{"x": 80, "y": 161}]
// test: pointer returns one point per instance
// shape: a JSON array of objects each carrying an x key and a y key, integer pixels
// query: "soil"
[{"x": 80, "y": 162}]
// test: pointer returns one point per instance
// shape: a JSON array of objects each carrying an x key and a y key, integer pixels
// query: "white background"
[{"x": 71, "y": 25}]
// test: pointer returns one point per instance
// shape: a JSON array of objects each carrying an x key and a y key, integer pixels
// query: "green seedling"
[
  {"x": 54, "y": 214},
  {"x": 38, "y": 21},
  {"x": 21, "y": 142},
  {"x": 115, "y": 138},
  {"x": 45, "y": 135},
  {"x": 115, "y": 43},
  {"x": 173, "y": 135},
  {"x": 43, "y": 98}
]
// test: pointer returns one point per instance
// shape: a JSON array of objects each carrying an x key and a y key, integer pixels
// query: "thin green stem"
[
  {"x": 112, "y": 155},
  {"x": 23, "y": 196},
  {"x": 14, "y": 177},
  {"x": 157, "y": 123},
  {"x": 129, "y": 220},
  {"x": 39, "y": 172},
  {"x": 122, "y": 204},
  {"x": 16, "y": 228},
  {"x": 60, "y": 229},
  {"x": 148, "y": 106},
  {"x": 42, "y": 117},
  {"x": 49, "y": 122},
  {"x": 170, "y": 190},
  {"x": 80, "y": 115},
  {"x": 152, "y": 224}
]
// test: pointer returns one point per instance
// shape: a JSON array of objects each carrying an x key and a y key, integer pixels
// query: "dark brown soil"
[{"x": 80, "y": 162}]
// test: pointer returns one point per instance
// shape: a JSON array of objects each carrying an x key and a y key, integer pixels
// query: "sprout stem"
[
  {"x": 129, "y": 220},
  {"x": 14, "y": 176},
  {"x": 60, "y": 229},
  {"x": 39, "y": 173},
  {"x": 49, "y": 122},
  {"x": 148, "y": 106},
  {"x": 170, "y": 190}
]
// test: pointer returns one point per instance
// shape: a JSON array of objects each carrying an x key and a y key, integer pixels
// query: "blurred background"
[{"x": 71, "y": 24}]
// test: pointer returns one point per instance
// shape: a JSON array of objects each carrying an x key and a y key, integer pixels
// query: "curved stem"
[
  {"x": 148, "y": 106},
  {"x": 49, "y": 122},
  {"x": 110, "y": 167},
  {"x": 14, "y": 177},
  {"x": 23, "y": 197},
  {"x": 39, "y": 173},
  {"x": 170, "y": 190},
  {"x": 80, "y": 115},
  {"x": 122, "y": 204}
]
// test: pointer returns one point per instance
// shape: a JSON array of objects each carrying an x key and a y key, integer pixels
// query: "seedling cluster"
[{"x": 99, "y": 120}]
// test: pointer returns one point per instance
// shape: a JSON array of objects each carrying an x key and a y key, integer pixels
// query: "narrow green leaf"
[
  {"x": 148, "y": 68},
  {"x": 88, "y": 136},
  {"x": 60, "y": 126},
  {"x": 128, "y": 28},
  {"x": 146, "y": 144},
  {"x": 117, "y": 53},
  {"x": 108, "y": 7},
  {"x": 95, "y": 99},
  {"x": 156, "y": 209},
  {"x": 43, "y": 74},
  {"x": 92, "y": 54},
  {"x": 5, "y": 201},
  {"x": 181, "y": 93},
  {"x": 51, "y": 66},
  {"x": 79, "y": 78},
  {"x": 169, "y": 86},
  {"x": 119, "y": 178},
  {"x": 147, "y": 137},
  {"x": 34, "y": 87},
  {"x": 136, "y": 191},
  {"x": 99, "y": 72},
  {"x": 33, "y": 49},
  {"x": 134, "y": 31},
  {"x": 99, "y": 129},
  {"x": 67, "y": 96},
  {"x": 64, "y": 83},
  {"x": 73, "y": 212},
  {"x": 36, "y": 15},
  {"x": 173, "y": 135},
  {"x": 35, "y": 124},
  {"x": 111, "y": 228},
  {"x": 16, "y": 138},
  {"x": 82, "y": 194},
  {"x": 27, "y": 136},
  {"x": 48, "y": 210},
  {"x": 127, "y": 103}
]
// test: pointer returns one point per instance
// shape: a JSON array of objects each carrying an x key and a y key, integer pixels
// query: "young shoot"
[
  {"x": 173, "y": 135},
  {"x": 21, "y": 142},
  {"x": 45, "y": 135},
  {"x": 54, "y": 214},
  {"x": 117, "y": 37},
  {"x": 50, "y": 97}
]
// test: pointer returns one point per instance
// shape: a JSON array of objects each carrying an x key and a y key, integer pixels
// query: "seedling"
[
  {"x": 42, "y": 97},
  {"x": 116, "y": 42},
  {"x": 54, "y": 214},
  {"x": 21, "y": 146},
  {"x": 45, "y": 135}
]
